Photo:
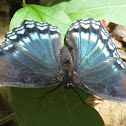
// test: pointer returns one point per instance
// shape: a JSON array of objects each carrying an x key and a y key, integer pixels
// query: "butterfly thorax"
[{"x": 67, "y": 66}]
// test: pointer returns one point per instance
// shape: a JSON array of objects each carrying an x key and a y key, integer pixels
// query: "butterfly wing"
[
  {"x": 99, "y": 69},
  {"x": 29, "y": 55}
]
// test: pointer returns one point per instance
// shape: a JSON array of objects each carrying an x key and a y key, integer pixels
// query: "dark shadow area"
[
  {"x": 59, "y": 1},
  {"x": 14, "y": 5}
]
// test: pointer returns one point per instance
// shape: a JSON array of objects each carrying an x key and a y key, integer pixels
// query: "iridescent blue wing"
[
  {"x": 99, "y": 69},
  {"x": 29, "y": 55}
]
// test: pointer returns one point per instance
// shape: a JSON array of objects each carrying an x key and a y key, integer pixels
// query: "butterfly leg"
[
  {"x": 50, "y": 91},
  {"x": 79, "y": 96}
]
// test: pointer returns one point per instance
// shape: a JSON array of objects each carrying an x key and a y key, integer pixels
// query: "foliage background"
[{"x": 61, "y": 107}]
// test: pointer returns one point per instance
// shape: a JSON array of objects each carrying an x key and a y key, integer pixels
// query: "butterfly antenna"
[
  {"x": 79, "y": 96},
  {"x": 50, "y": 91}
]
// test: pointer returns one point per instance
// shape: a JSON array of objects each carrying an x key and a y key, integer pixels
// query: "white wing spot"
[
  {"x": 29, "y": 21},
  {"x": 104, "y": 35},
  {"x": 84, "y": 35},
  {"x": 76, "y": 25},
  {"x": 86, "y": 26},
  {"x": 19, "y": 28},
  {"x": 54, "y": 36},
  {"x": 10, "y": 34},
  {"x": 71, "y": 28},
  {"x": 30, "y": 26},
  {"x": 111, "y": 45},
  {"x": 93, "y": 37},
  {"x": 105, "y": 51},
  {"x": 40, "y": 24},
  {"x": 115, "y": 54},
  {"x": 114, "y": 68},
  {"x": 8, "y": 46},
  {"x": 97, "y": 22},
  {"x": 15, "y": 53},
  {"x": 95, "y": 26},
  {"x": 42, "y": 27},
  {"x": 54, "y": 28},
  {"x": 100, "y": 44},
  {"x": 13, "y": 37},
  {"x": 34, "y": 36},
  {"x": 25, "y": 39},
  {"x": 120, "y": 61},
  {"x": 44, "y": 36},
  {"x": 85, "y": 21},
  {"x": 6, "y": 40},
  {"x": 76, "y": 34},
  {"x": 123, "y": 66},
  {"x": 21, "y": 31}
]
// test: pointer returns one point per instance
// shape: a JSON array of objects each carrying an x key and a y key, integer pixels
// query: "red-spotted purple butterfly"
[{"x": 31, "y": 56}]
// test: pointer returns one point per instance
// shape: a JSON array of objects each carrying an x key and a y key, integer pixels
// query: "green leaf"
[
  {"x": 60, "y": 4},
  {"x": 50, "y": 15},
  {"x": 112, "y": 10},
  {"x": 59, "y": 108}
]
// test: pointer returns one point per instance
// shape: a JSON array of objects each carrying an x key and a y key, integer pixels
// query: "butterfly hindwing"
[
  {"x": 107, "y": 80},
  {"x": 99, "y": 69},
  {"x": 29, "y": 55}
]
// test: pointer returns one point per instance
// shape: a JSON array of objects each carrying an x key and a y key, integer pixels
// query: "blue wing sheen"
[
  {"x": 37, "y": 35},
  {"x": 107, "y": 80},
  {"x": 91, "y": 40},
  {"x": 29, "y": 55},
  {"x": 99, "y": 69}
]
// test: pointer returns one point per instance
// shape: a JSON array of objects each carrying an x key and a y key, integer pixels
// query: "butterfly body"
[
  {"x": 32, "y": 56},
  {"x": 67, "y": 67}
]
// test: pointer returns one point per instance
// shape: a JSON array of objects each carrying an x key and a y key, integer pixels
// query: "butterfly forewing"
[
  {"x": 29, "y": 55},
  {"x": 99, "y": 69}
]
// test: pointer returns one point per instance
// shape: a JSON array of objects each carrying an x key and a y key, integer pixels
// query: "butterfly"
[{"x": 32, "y": 55}]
